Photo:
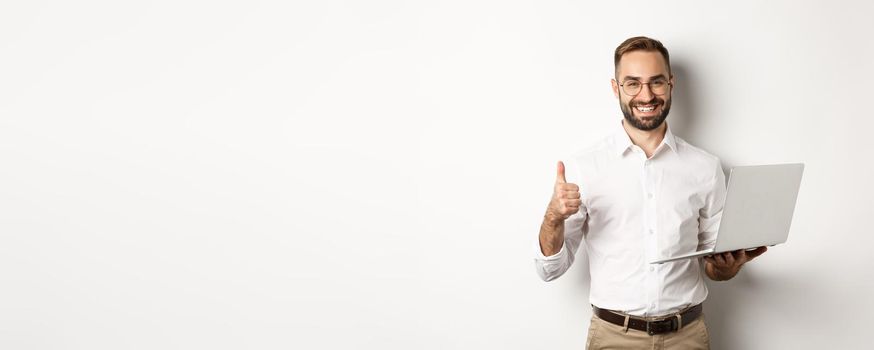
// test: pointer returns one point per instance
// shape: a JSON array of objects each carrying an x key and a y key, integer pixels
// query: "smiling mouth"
[
  {"x": 648, "y": 108},
  {"x": 645, "y": 109}
]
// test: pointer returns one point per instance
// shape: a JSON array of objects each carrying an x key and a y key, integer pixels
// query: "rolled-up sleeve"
[
  {"x": 711, "y": 214},
  {"x": 553, "y": 266}
]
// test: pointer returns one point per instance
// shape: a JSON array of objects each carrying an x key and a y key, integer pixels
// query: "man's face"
[{"x": 646, "y": 110}]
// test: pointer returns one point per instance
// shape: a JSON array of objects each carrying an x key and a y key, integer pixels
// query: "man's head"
[{"x": 643, "y": 82}]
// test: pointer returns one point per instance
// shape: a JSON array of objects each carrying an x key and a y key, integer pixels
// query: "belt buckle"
[{"x": 674, "y": 325}]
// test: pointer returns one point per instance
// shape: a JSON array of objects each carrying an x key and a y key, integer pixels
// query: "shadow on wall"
[{"x": 685, "y": 107}]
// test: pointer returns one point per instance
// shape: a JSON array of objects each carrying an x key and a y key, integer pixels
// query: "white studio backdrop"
[{"x": 372, "y": 175}]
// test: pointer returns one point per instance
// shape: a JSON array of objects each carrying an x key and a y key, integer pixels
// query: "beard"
[{"x": 646, "y": 125}]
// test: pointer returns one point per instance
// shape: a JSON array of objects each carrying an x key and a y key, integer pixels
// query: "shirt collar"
[{"x": 622, "y": 142}]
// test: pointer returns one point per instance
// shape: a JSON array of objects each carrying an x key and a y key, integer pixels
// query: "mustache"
[{"x": 653, "y": 101}]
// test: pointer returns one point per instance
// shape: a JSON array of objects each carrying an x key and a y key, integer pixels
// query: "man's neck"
[{"x": 648, "y": 140}]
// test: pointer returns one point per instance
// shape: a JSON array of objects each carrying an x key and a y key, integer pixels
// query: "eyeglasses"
[{"x": 657, "y": 86}]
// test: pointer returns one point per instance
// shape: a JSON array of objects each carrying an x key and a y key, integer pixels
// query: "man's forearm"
[{"x": 551, "y": 235}]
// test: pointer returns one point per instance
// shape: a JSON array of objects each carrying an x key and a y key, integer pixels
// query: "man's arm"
[
  {"x": 564, "y": 203},
  {"x": 551, "y": 235},
  {"x": 557, "y": 242},
  {"x": 723, "y": 267}
]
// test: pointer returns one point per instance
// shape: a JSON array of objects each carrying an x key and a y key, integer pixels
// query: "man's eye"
[
  {"x": 658, "y": 83},
  {"x": 632, "y": 84}
]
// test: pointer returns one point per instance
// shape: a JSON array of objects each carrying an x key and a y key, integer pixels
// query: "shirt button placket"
[{"x": 649, "y": 204}]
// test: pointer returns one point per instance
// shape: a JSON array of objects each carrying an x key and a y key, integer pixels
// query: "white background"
[{"x": 372, "y": 175}]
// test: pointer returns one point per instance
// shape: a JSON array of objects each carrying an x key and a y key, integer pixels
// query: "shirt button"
[
  {"x": 652, "y": 306},
  {"x": 651, "y": 231},
  {"x": 651, "y": 269},
  {"x": 649, "y": 195}
]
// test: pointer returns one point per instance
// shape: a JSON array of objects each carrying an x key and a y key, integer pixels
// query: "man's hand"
[
  {"x": 722, "y": 267},
  {"x": 565, "y": 199},
  {"x": 564, "y": 203}
]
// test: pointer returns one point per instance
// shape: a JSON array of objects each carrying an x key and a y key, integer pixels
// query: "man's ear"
[{"x": 615, "y": 87}]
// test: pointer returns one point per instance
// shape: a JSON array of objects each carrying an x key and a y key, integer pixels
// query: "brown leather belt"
[{"x": 667, "y": 324}]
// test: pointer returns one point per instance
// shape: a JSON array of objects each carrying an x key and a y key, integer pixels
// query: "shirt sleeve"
[
  {"x": 711, "y": 214},
  {"x": 553, "y": 266}
]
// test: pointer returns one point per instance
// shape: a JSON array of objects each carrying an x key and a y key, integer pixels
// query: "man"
[{"x": 638, "y": 195}]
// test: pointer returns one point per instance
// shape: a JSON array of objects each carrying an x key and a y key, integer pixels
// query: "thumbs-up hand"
[{"x": 565, "y": 198}]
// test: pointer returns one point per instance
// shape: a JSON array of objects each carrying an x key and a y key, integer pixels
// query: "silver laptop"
[{"x": 758, "y": 208}]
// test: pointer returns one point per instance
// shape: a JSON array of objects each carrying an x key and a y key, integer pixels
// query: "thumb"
[
  {"x": 755, "y": 253},
  {"x": 560, "y": 176}
]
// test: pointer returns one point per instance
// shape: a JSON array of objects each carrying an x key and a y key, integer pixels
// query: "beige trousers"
[{"x": 604, "y": 335}]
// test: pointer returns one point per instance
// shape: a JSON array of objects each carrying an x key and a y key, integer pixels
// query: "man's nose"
[{"x": 645, "y": 93}]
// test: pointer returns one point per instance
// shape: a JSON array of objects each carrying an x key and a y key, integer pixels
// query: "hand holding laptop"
[{"x": 726, "y": 265}]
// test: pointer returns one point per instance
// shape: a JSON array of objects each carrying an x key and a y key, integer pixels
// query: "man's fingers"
[
  {"x": 560, "y": 176},
  {"x": 573, "y": 203},
  {"x": 719, "y": 260},
  {"x": 567, "y": 210},
  {"x": 567, "y": 187},
  {"x": 729, "y": 258},
  {"x": 572, "y": 194},
  {"x": 754, "y": 253},
  {"x": 564, "y": 208}
]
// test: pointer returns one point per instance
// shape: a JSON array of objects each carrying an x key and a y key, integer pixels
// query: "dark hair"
[{"x": 640, "y": 43}]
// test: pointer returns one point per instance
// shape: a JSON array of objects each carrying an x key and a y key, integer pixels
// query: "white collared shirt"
[{"x": 636, "y": 210}]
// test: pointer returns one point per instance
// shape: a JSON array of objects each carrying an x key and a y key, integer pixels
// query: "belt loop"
[
  {"x": 626, "y": 323},
  {"x": 679, "y": 321}
]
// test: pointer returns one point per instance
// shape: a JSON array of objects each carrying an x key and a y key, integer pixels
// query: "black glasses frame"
[{"x": 622, "y": 87}]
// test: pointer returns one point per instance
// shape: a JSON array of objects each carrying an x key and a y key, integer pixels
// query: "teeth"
[{"x": 645, "y": 109}]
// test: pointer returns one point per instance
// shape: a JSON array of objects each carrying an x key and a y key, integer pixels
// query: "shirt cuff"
[{"x": 538, "y": 254}]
